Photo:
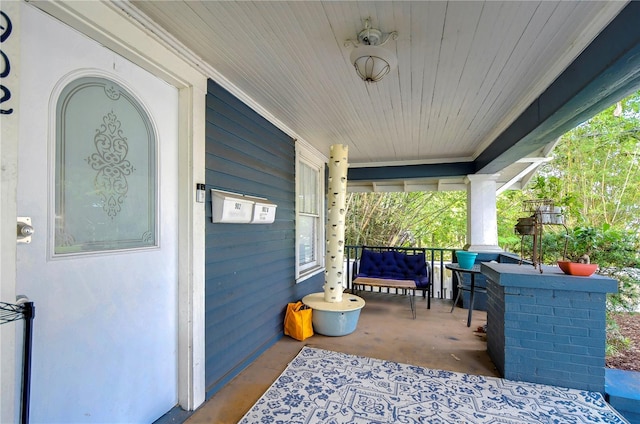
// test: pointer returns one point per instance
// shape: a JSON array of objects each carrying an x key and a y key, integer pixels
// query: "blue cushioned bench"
[{"x": 403, "y": 269}]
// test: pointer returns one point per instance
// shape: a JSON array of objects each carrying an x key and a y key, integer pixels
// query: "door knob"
[{"x": 25, "y": 230}]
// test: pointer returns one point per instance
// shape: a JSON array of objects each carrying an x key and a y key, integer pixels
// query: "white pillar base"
[{"x": 480, "y": 248}]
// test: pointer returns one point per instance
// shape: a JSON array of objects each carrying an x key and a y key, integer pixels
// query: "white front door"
[{"x": 105, "y": 328}]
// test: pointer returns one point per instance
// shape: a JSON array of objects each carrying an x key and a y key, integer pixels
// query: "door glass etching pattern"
[{"x": 105, "y": 170}]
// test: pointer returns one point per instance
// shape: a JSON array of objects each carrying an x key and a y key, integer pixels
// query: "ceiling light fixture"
[{"x": 371, "y": 61}]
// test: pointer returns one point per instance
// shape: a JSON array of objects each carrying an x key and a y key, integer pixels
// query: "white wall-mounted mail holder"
[
  {"x": 235, "y": 208},
  {"x": 264, "y": 211},
  {"x": 230, "y": 208}
]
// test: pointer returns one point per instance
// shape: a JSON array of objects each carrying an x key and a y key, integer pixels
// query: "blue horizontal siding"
[{"x": 249, "y": 269}]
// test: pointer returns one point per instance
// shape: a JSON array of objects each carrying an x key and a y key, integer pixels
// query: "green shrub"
[
  {"x": 616, "y": 342},
  {"x": 605, "y": 246}
]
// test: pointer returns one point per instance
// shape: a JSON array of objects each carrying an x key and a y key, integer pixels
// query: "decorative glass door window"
[{"x": 105, "y": 170}]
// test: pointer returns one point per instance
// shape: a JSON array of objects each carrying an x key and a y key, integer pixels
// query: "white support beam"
[{"x": 535, "y": 163}]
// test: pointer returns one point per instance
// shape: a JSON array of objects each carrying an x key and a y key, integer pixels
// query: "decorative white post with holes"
[
  {"x": 334, "y": 314},
  {"x": 337, "y": 197}
]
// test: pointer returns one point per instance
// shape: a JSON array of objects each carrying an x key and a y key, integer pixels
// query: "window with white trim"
[{"x": 309, "y": 214}]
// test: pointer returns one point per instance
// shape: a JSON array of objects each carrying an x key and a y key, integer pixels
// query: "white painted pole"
[{"x": 337, "y": 197}]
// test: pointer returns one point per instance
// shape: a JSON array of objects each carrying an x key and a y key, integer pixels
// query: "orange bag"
[{"x": 297, "y": 321}]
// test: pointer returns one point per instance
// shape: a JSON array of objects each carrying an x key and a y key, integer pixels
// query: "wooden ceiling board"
[
  {"x": 467, "y": 69},
  {"x": 485, "y": 52},
  {"x": 424, "y": 74},
  {"x": 524, "y": 67},
  {"x": 459, "y": 31},
  {"x": 507, "y": 27},
  {"x": 400, "y": 101},
  {"x": 499, "y": 95}
]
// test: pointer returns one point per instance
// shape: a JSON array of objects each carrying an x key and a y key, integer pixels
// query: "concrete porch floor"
[{"x": 435, "y": 339}]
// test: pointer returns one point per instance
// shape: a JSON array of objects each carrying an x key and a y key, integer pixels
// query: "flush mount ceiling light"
[{"x": 371, "y": 61}]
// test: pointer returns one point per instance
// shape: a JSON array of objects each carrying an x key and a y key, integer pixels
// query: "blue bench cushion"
[{"x": 394, "y": 265}]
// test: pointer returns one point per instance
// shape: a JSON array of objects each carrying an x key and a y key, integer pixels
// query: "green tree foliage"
[
  {"x": 433, "y": 219},
  {"x": 595, "y": 175},
  {"x": 596, "y": 169}
]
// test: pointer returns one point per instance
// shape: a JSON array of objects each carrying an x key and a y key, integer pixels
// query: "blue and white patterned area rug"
[{"x": 320, "y": 386}]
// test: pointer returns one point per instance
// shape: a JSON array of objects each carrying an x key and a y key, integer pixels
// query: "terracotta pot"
[{"x": 574, "y": 268}]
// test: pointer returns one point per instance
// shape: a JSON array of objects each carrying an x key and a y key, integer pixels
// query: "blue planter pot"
[{"x": 466, "y": 259}]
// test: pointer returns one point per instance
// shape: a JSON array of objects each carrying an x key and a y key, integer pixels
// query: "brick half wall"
[{"x": 552, "y": 334}]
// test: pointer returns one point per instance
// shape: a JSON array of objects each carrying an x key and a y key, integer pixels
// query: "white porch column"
[{"x": 482, "y": 223}]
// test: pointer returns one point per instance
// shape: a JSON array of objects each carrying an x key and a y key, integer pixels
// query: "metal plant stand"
[
  {"x": 542, "y": 212},
  {"x": 15, "y": 312}
]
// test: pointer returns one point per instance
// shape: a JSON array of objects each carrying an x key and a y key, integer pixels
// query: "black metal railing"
[
  {"x": 10, "y": 312},
  {"x": 436, "y": 258}
]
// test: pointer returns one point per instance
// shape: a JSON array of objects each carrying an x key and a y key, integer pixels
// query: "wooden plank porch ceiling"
[{"x": 474, "y": 78}]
